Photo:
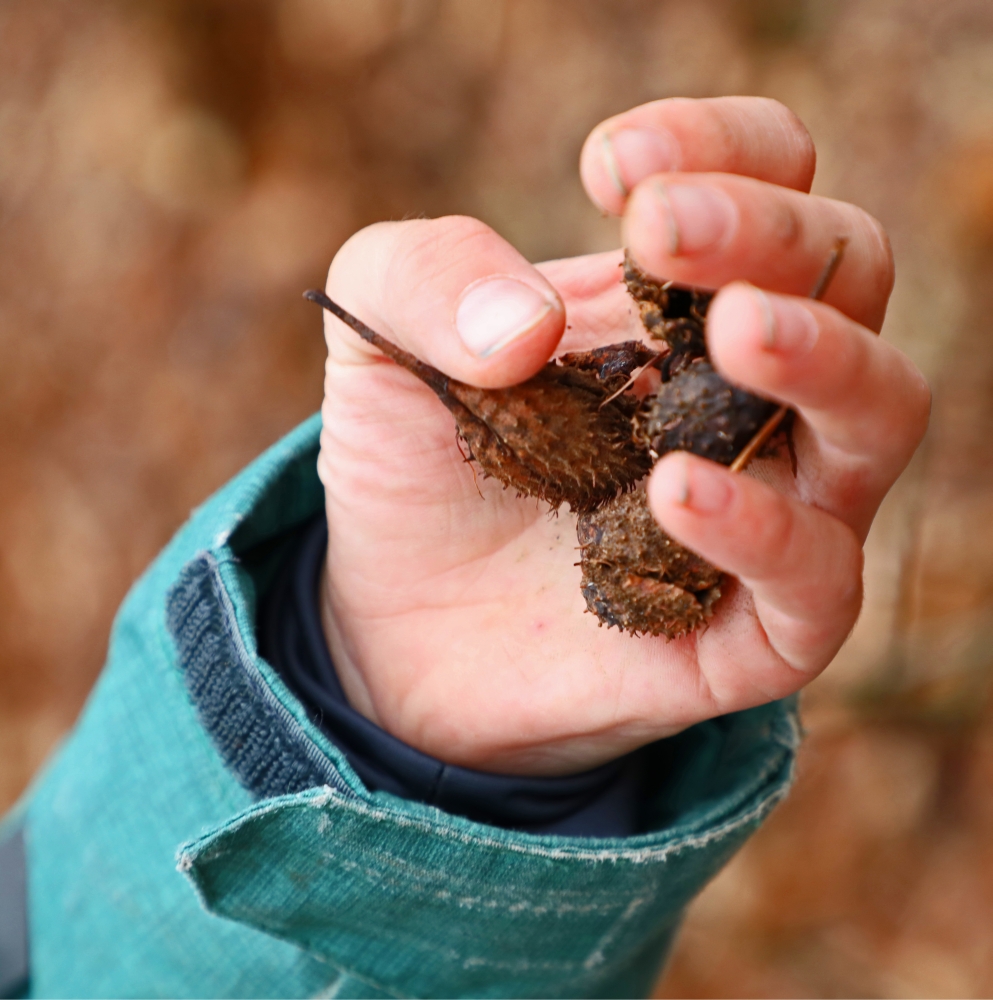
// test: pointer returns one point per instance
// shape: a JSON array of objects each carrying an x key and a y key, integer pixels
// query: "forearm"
[{"x": 190, "y": 730}]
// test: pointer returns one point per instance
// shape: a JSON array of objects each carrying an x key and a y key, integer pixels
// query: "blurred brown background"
[{"x": 174, "y": 172}]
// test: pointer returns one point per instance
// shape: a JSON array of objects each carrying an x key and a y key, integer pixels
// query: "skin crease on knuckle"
[
  {"x": 868, "y": 243},
  {"x": 788, "y": 230},
  {"x": 763, "y": 527},
  {"x": 414, "y": 254},
  {"x": 748, "y": 145},
  {"x": 420, "y": 270},
  {"x": 422, "y": 259},
  {"x": 801, "y": 145},
  {"x": 436, "y": 248}
]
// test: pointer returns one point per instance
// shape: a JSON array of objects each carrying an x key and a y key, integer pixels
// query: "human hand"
[{"x": 452, "y": 607}]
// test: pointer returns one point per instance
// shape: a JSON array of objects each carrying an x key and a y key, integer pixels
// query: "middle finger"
[{"x": 710, "y": 229}]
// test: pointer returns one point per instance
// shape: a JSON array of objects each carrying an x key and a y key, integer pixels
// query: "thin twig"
[
  {"x": 830, "y": 268},
  {"x": 764, "y": 433},
  {"x": 427, "y": 373},
  {"x": 635, "y": 375}
]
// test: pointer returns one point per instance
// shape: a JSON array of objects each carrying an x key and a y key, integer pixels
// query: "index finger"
[{"x": 752, "y": 136}]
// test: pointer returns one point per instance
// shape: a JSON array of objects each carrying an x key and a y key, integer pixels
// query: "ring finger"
[{"x": 863, "y": 403}]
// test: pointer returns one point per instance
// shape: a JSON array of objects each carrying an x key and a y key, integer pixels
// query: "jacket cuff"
[
  {"x": 415, "y": 902},
  {"x": 406, "y": 898}
]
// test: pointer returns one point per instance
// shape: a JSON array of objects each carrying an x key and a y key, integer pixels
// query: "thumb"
[{"x": 450, "y": 291}]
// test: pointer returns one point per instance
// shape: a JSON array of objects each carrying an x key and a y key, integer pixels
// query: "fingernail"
[
  {"x": 495, "y": 311},
  {"x": 632, "y": 154},
  {"x": 699, "y": 217},
  {"x": 789, "y": 327},
  {"x": 701, "y": 487}
]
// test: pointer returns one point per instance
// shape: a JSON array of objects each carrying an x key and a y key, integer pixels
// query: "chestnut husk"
[
  {"x": 636, "y": 577},
  {"x": 563, "y": 436},
  {"x": 699, "y": 411}
]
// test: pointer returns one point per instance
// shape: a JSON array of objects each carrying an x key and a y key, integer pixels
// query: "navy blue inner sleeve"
[
  {"x": 603, "y": 802},
  {"x": 14, "y": 957}
]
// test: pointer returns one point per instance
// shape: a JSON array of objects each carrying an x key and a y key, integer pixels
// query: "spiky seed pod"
[
  {"x": 638, "y": 578},
  {"x": 557, "y": 436},
  {"x": 644, "y": 605},
  {"x": 554, "y": 436},
  {"x": 698, "y": 411},
  {"x": 669, "y": 312},
  {"x": 625, "y": 532}
]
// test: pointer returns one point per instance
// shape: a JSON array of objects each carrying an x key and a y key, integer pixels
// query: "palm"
[{"x": 457, "y": 619}]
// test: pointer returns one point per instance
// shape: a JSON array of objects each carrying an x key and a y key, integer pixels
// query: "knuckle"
[
  {"x": 775, "y": 537},
  {"x": 880, "y": 255},
  {"x": 356, "y": 249},
  {"x": 902, "y": 407},
  {"x": 846, "y": 578},
  {"x": 761, "y": 131},
  {"x": 920, "y": 400},
  {"x": 732, "y": 140},
  {"x": 433, "y": 246},
  {"x": 427, "y": 237},
  {"x": 787, "y": 222},
  {"x": 799, "y": 142}
]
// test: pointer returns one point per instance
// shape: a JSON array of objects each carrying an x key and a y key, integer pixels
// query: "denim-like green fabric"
[{"x": 155, "y": 868}]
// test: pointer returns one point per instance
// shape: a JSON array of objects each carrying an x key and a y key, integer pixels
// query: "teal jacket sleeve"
[{"x": 196, "y": 835}]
